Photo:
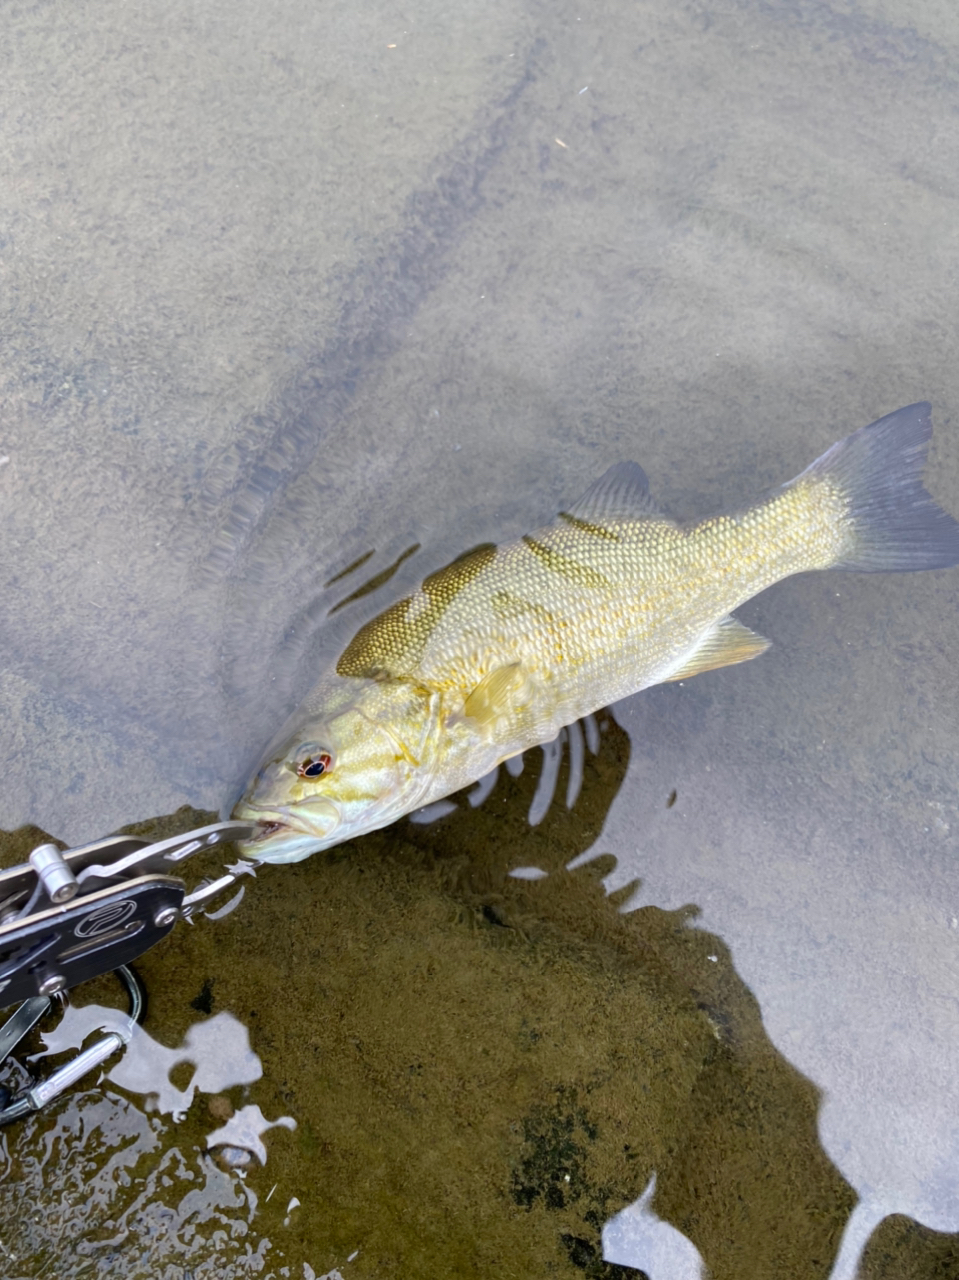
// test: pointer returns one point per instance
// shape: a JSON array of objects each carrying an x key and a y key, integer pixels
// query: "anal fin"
[{"x": 727, "y": 643}]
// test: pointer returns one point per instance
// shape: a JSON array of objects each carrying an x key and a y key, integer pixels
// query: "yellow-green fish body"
[{"x": 496, "y": 652}]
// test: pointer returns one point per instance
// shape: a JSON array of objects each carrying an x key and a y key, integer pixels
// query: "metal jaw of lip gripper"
[{"x": 67, "y": 916}]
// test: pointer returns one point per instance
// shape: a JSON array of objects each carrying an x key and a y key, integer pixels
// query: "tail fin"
[{"x": 895, "y": 524}]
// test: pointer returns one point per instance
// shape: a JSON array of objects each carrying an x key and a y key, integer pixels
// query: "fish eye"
[{"x": 315, "y": 765}]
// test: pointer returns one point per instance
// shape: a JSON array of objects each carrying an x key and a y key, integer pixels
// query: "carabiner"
[{"x": 26, "y": 1017}]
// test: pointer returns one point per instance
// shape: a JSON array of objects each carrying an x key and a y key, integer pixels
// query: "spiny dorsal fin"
[
  {"x": 493, "y": 696},
  {"x": 728, "y": 642},
  {"x": 621, "y": 493}
]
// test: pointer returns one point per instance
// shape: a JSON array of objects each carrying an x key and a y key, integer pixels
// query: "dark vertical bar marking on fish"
[
  {"x": 586, "y": 526},
  {"x": 572, "y": 570},
  {"x": 395, "y": 638},
  {"x": 507, "y": 605}
]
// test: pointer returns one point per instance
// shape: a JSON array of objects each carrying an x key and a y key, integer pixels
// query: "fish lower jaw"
[{"x": 284, "y": 836}]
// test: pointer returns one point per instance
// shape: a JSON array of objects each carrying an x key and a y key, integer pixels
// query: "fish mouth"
[
  {"x": 265, "y": 830},
  {"x": 289, "y": 833}
]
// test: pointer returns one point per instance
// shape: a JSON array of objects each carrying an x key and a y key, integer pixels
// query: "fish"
[{"x": 497, "y": 651}]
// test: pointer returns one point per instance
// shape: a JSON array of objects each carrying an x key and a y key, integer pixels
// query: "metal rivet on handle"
[{"x": 58, "y": 880}]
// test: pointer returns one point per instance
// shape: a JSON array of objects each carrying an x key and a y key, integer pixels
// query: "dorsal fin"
[
  {"x": 621, "y": 493},
  {"x": 727, "y": 643}
]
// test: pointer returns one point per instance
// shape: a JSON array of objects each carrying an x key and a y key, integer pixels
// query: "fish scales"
[
  {"x": 497, "y": 651},
  {"x": 597, "y": 616}
]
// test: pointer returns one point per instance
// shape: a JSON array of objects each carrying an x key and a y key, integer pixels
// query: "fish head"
[{"x": 355, "y": 757}]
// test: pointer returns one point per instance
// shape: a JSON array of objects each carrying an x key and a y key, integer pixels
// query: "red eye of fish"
[{"x": 315, "y": 765}]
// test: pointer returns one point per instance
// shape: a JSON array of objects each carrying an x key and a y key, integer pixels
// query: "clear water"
[{"x": 282, "y": 287}]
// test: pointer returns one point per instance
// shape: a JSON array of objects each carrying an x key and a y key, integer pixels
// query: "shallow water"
[{"x": 283, "y": 288}]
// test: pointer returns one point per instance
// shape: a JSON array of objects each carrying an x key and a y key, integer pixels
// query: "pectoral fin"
[
  {"x": 494, "y": 695},
  {"x": 728, "y": 642}
]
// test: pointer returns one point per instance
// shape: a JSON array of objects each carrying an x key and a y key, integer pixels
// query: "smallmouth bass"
[{"x": 499, "y": 650}]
